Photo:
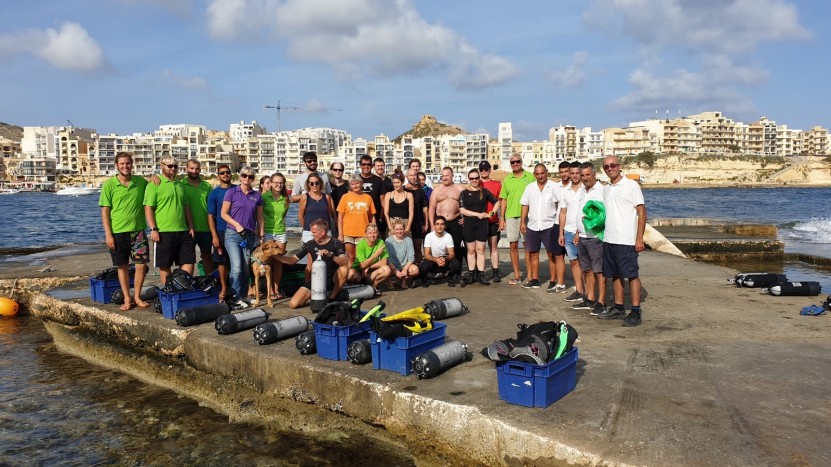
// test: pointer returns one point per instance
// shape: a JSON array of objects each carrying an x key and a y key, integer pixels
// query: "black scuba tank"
[
  {"x": 762, "y": 279},
  {"x": 306, "y": 343},
  {"x": 201, "y": 314},
  {"x": 359, "y": 352},
  {"x": 791, "y": 289}
]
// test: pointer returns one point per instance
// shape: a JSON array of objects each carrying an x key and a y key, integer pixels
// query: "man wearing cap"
[
  {"x": 299, "y": 189},
  {"x": 511, "y": 210},
  {"x": 495, "y": 187}
]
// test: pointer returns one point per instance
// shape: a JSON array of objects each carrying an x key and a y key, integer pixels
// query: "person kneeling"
[
  {"x": 331, "y": 251},
  {"x": 439, "y": 255},
  {"x": 370, "y": 259},
  {"x": 401, "y": 254}
]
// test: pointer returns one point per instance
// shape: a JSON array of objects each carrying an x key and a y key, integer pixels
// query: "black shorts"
[
  {"x": 130, "y": 246},
  {"x": 620, "y": 261},
  {"x": 174, "y": 248},
  {"x": 219, "y": 255},
  {"x": 204, "y": 241},
  {"x": 548, "y": 239},
  {"x": 493, "y": 229},
  {"x": 475, "y": 230}
]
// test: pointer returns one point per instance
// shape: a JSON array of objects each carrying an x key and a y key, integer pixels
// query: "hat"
[{"x": 484, "y": 165}]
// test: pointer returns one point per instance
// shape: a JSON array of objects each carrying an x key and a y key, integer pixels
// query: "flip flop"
[
  {"x": 277, "y": 296},
  {"x": 126, "y": 307},
  {"x": 813, "y": 310},
  {"x": 142, "y": 304},
  {"x": 514, "y": 281}
]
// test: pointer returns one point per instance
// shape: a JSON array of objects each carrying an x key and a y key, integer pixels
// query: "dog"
[{"x": 261, "y": 267}]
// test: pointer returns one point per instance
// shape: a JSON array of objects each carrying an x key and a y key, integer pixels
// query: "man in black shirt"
[
  {"x": 331, "y": 251},
  {"x": 420, "y": 204},
  {"x": 373, "y": 186}
]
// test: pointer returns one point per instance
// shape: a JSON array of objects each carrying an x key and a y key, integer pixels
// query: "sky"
[{"x": 371, "y": 66}]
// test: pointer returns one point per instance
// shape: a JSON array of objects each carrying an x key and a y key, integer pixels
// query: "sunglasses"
[
  {"x": 366, "y": 165},
  {"x": 172, "y": 166},
  {"x": 611, "y": 166},
  {"x": 224, "y": 172},
  {"x": 310, "y": 161},
  {"x": 248, "y": 176},
  {"x": 473, "y": 178},
  {"x": 314, "y": 183},
  {"x": 337, "y": 170},
  {"x": 516, "y": 162}
]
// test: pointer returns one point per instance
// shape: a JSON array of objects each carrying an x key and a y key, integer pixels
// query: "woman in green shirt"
[
  {"x": 370, "y": 259},
  {"x": 275, "y": 206}
]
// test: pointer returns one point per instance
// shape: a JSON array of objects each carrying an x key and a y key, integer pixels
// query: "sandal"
[
  {"x": 277, "y": 296},
  {"x": 514, "y": 281}
]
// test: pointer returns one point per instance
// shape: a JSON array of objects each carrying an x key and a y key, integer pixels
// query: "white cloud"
[
  {"x": 716, "y": 39},
  {"x": 185, "y": 82},
  {"x": 69, "y": 48},
  {"x": 359, "y": 38},
  {"x": 573, "y": 75}
]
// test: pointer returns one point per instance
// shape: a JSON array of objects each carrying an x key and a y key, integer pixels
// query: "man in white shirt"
[
  {"x": 439, "y": 255},
  {"x": 589, "y": 247},
  {"x": 568, "y": 229},
  {"x": 299, "y": 188},
  {"x": 540, "y": 211},
  {"x": 622, "y": 240}
]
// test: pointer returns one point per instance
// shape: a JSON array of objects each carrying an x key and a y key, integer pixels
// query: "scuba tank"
[
  {"x": 438, "y": 359},
  {"x": 147, "y": 294},
  {"x": 306, "y": 343},
  {"x": 357, "y": 291},
  {"x": 359, "y": 352},
  {"x": 201, "y": 314},
  {"x": 319, "y": 295},
  {"x": 761, "y": 279},
  {"x": 268, "y": 333},
  {"x": 790, "y": 289},
  {"x": 236, "y": 322},
  {"x": 445, "y": 308}
]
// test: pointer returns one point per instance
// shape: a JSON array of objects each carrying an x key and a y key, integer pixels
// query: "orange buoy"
[{"x": 8, "y": 307}]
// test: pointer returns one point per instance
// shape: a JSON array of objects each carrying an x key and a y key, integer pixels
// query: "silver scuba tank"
[
  {"x": 235, "y": 322},
  {"x": 445, "y": 308},
  {"x": 268, "y": 333},
  {"x": 436, "y": 360},
  {"x": 319, "y": 293}
]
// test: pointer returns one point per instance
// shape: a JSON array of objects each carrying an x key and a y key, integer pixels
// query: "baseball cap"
[{"x": 484, "y": 165}]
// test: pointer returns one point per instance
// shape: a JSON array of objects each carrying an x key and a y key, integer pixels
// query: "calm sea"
[{"x": 57, "y": 409}]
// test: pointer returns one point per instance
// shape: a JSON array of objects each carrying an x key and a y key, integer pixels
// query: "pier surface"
[{"x": 716, "y": 375}]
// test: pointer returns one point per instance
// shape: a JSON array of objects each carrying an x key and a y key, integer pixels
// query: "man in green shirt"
[
  {"x": 196, "y": 192},
  {"x": 122, "y": 214},
  {"x": 171, "y": 225},
  {"x": 370, "y": 259},
  {"x": 511, "y": 210}
]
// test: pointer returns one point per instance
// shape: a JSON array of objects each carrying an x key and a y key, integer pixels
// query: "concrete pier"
[{"x": 716, "y": 375}]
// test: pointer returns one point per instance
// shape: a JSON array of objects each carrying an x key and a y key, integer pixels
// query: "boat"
[
  {"x": 9, "y": 191},
  {"x": 78, "y": 191}
]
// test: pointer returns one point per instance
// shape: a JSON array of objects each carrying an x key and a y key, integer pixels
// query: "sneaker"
[
  {"x": 612, "y": 313},
  {"x": 495, "y": 277},
  {"x": 561, "y": 288},
  {"x": 634, "y": 319},
  {"x": 576, "y": 297},
  {"x": 584, "y": 305},
  {"x": 598, "y": 309},
  {"x": 453, "y": 281},
  {"x": 552, "y": 286},
  {"x": 531, "y": 284}
]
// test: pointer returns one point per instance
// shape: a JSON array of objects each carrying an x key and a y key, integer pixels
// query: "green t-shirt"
[
  {"x": 512, "y": 189},
  {"x": 274, "y": 213},
  {"x": 126, "y": 204},
  {"x": 169, "y": 201},
  {"x": 363, "y": 251},
  {"x": 198, "y": 202}
]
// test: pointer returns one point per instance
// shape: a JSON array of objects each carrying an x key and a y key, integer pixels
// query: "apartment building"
[
  {"x": 816, "y": 142},
  {"x": 505, "y": 139}
]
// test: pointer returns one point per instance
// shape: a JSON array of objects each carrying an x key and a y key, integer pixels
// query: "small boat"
[
  {"x": 78, "y": 191},
  {"x": 9, "y": 191}
]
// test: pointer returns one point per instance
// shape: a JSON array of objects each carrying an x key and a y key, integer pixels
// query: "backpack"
[
  {"x": 340, "y": 313},
  {"x": 538, "y": 343},
  {"x": 178, "y": 281}
]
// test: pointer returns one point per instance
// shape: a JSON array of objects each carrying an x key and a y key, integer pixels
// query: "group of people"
[{"x": 380, "y": 229}]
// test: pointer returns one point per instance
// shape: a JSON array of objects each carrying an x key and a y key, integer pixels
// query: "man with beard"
[
  {"x": 372, "y": 185},
  {"x": 418, "y": 229},
  {"x": 218, "y": 225},
  {"x": 299, "y": 188},
  {"x": 197, "y": 191}
]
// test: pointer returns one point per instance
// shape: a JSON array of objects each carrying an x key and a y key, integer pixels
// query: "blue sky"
[{"x": 124, "y": 66}]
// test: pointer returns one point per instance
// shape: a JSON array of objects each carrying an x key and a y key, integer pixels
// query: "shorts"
[
  {"x": 130, "y": 246},
  {"x": 220, "y": 256},
  {"x": 474, "y": 230},
  {"x": 547, "y": 237},
  {"x": 415, "y": 230},
  {"x": 493, "y": 229},
  {"x": 279, "y": 238},
  {"x": 174, "y": 248},
  {"x": 204, "y": 241},
  {"x": 620, "y": 261},
  {"x": 571, "y": 248},
  {"x": 512, "y": 230},
  {"x": 352, "y": 240},
  {"x": 590, "y": 255}
]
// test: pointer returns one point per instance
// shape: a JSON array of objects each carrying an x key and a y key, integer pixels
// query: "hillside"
[
  {"x": 11, "y": 132},
  {"x": 429, "y": 126}
]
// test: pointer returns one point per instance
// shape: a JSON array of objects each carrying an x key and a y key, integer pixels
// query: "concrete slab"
[{"x": 716, "y": 375}]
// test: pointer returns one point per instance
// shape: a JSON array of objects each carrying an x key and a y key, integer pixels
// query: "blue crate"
[
  {"x": 101, "y": 290},
  {"x": 537, "y": 385},
  {"x": 397, "y": 355},
  {"x": 173, "y": 302},
  {"x": 333, "y": 341}
]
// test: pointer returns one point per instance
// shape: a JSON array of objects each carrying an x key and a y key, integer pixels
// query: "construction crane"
[{"x": 279, "y": 108}]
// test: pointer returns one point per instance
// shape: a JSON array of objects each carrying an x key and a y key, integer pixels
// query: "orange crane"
[{"x": 280, "y": 107}]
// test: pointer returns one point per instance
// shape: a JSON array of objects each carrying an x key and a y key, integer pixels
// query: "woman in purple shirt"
[{"x": 242, "y": 209}]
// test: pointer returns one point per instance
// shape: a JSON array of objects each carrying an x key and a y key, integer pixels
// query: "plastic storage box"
[
  {"x": 397, "y": 355},
  {"x": 333, "y": 341},
  {"x": 173, "y": 302},
  {"x": 101, "y": 290},
  {"x": 537, "y": 385}
]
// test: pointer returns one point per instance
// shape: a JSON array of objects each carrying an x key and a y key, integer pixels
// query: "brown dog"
[{"x": 261, "y": 267}]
